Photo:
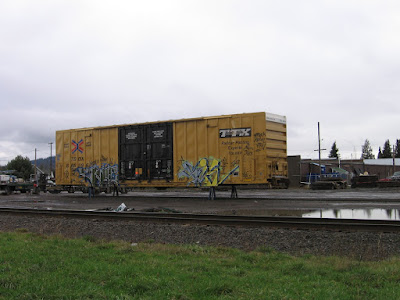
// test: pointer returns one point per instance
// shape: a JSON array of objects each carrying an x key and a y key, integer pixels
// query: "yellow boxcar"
[
  {"x": 238, "y": 149},
  {"x": 87, "y": 156}
]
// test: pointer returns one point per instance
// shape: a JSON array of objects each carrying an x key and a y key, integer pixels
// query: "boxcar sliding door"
[{"x": 145, "y": 152}]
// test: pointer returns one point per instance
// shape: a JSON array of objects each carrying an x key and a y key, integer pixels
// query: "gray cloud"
[{"x": 67, "y": 65}]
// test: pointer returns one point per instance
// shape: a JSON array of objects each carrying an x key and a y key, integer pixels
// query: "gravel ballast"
[{"x": 359, "y": 245}]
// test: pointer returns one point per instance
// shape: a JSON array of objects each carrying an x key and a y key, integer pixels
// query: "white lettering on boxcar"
[{"x": 235, "y": 132}]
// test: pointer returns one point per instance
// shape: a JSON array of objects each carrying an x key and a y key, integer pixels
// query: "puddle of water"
[
  {"x": 266, "y": 212},
  {"x": 363, "y": 214}
]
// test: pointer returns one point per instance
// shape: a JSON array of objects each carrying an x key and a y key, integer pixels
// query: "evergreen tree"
[
  {"x": 334, "y": 151},
  {"x": 387, "y": 150},
  {"x": 379, "y": 153},
  {"x": 22, "y": 166},
  {"x": 366, "y": 151},
  {"x": 397, "y": 149}
]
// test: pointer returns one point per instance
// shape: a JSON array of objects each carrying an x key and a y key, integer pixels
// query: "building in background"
[{"x": 302, "y": 171}]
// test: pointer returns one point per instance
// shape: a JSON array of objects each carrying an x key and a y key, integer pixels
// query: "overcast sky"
[{"x": 72, "y": 64}]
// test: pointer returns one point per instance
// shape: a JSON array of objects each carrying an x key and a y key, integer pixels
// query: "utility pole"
[
  {"x": 51, "y": 158},
  {"x": 35, "y": 168},
  {"x": 319, "y": 151}
]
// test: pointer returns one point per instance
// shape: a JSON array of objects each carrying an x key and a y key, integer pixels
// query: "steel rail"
[{"x": 222, "y": 220}]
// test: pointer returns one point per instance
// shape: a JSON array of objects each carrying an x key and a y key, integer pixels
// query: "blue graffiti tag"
[{"x": 96, "y": 176}]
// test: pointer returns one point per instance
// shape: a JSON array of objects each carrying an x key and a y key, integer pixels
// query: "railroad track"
[{"x": 220, "y": 220}]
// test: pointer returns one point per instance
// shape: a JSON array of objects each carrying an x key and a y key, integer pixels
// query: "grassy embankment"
[{"x": 38, "y": 267}]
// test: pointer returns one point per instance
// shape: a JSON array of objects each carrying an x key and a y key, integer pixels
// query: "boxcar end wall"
[{"x": 236, "y": 149}]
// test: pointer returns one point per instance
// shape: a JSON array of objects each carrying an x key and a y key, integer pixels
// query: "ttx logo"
[{"x": 234, "y": 132}]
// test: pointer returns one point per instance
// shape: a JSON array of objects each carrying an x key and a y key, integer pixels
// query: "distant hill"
[{"x": 44, "y": 163}]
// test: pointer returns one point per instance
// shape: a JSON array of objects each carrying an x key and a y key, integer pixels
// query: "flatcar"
[{"x": 238, "y": 149}]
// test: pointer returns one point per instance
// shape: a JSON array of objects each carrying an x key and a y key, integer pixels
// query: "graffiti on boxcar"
[
  {"x": 99, "y": 175},
  {"x": 206, "y": 172},
  {"x": 260, "y": 141}
]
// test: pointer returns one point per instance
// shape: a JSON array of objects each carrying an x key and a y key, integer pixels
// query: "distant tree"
[
  {"x": 387, "y": 150},
  {"x": 380, "y": 153},
  {"x": 397, "y": 149},
  {"x": 334, "y": 151},
  {"x": 366, "y": 150},
  {"x": 22, "y": 166}
]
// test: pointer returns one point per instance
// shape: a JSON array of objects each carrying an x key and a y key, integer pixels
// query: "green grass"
[{"x": 39, "y": 267}]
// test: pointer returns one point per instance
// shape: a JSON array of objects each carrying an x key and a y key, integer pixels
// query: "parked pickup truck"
[{"x": 10, "y": 184}]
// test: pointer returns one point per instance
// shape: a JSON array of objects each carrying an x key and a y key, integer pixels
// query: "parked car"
[
  {"x": 391, "y": 181},
  {"x": 395, "y": 176}
]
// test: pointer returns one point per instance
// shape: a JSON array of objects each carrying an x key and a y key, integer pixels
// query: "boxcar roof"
[{"x": 170, "y": 121}]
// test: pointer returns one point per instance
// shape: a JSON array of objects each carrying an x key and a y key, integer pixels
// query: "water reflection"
[{"x": 371, "y": 214}]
